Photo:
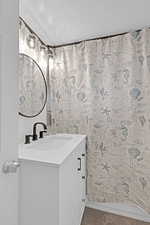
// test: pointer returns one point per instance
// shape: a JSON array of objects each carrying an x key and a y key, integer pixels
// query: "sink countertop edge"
[{"x": 23, "y": 154}]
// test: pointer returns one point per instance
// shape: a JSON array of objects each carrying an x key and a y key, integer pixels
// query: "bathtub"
[{"x": 131, "y": 211}]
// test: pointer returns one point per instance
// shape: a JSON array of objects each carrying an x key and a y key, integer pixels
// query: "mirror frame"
[{"x": 27, "y": 116}]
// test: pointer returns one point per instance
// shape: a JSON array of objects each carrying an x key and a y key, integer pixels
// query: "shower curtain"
[{"x": 101, "y": 88}]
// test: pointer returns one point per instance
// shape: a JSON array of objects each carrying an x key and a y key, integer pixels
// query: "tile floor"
[{"x": 96, "y": 217}]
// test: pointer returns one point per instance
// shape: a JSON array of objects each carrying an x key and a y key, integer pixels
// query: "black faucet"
[
  {"x": 35, "y": 136},
  {"x": 41, "y": 133}
]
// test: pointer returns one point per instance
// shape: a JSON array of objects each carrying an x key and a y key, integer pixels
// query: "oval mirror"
[{"x": 32, "y": 87}]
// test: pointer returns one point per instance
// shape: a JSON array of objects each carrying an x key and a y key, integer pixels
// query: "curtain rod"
[
  {"x": 94, "y": 39},
  {"x": 67, "y": 44},
  {"x": 90, "y": 39},
  {"x": 76, "y": 42}
]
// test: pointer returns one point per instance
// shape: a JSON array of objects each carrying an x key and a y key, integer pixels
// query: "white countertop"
[{"x": 52, "y": 149}]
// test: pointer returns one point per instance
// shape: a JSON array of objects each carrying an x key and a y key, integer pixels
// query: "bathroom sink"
[
  {"x": 52, "y": 180},
  {"x": 52, "y": 149},
  {"x": 50, "y": 143}
]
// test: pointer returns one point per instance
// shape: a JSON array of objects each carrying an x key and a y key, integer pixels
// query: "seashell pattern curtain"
[{"x": 102, "y": 88}]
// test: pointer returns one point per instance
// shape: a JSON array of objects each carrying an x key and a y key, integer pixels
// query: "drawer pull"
[
  {"x": 83, "y": 154},
  {"x": 79, "y": 169}
]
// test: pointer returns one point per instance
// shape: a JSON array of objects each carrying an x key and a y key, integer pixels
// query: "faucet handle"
[
  {"x": 27, "y": 138},
  {"x": 41, "y": 133}
]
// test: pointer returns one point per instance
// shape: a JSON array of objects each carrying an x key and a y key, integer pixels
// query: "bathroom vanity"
[{"x": 53, "y": 180}]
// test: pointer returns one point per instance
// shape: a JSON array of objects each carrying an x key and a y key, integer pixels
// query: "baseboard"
[{"x": 126, "y": 210}]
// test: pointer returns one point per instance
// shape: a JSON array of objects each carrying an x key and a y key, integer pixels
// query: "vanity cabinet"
[{"x": 53, "y": 194}]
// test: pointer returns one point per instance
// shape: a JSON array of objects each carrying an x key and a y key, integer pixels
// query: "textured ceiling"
[{"x": 64, "y": 21}]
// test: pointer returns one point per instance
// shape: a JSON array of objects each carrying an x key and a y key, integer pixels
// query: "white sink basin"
[
  {"x": 52, "y": 149},
  {"x": 50, "y": 143}
]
